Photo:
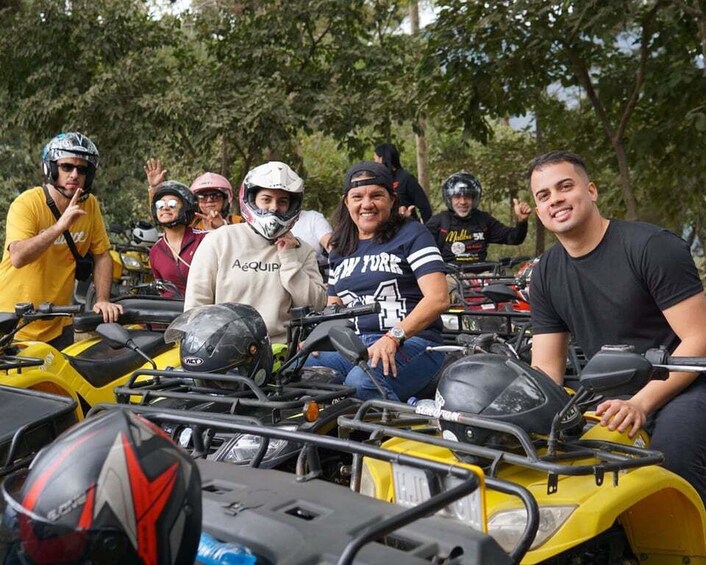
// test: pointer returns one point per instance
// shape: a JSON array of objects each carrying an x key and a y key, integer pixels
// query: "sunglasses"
[
  {"x": 210, "y": 196},
  {"x": 171, "y": 204},
  {"x": 68, "y": 167}
]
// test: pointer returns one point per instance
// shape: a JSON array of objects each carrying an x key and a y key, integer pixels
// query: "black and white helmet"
[
  {"x": 223, "y": 338},
  {"x": 69, "y": 144},
  {"x": 144, "y": 234},
  {"x": 273, "y": 175},
  {"x": 461, "y": 184}
]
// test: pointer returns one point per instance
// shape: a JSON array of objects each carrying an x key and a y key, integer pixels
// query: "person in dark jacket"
[
  {"x": 463, "y": 232},
  {"x": 409, "y": 192}
]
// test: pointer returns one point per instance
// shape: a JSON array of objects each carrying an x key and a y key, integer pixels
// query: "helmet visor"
[
  {"x": 522, "y": 395},
  {"x": 26, "y": 537},
  {"x": 198, "y": 325}
]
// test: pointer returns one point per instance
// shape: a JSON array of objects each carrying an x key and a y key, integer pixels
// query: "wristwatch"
[{"x": 397, "y": 334}]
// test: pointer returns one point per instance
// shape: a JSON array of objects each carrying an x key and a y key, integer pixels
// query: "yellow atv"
[
  {"x": 603, "y": 497},
  {"x": 87, "y": 371}
]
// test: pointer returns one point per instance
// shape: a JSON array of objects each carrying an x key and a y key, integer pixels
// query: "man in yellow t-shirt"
[{"x": 37, "y": 264}]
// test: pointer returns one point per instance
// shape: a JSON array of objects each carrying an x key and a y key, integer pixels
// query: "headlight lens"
[
  {"x": 414, "y": 486},
  {"x": 507, "y": 526},
  {"x": 130, "y": 263},
  {"x": 243, "y": 448}
]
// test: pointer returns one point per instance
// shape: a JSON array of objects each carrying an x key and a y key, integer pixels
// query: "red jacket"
[{"x": 166, "y": 268}]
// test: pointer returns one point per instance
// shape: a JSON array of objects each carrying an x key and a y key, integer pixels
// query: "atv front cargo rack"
[
  {"x": 298, "y": 518},
  {"x": 572, "y": 457},
  {"x": 233, "y": 394}
]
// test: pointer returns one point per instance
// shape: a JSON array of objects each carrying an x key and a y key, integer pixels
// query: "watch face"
[{"x": 397, "y": 333}]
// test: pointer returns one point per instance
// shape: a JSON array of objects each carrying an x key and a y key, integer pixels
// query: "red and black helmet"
[{"x": 113, "y": 489}]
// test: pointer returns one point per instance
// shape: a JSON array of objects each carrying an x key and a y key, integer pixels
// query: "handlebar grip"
[
  {"x": 362, "y": 310},
  {"x": 49, "y": 308}
]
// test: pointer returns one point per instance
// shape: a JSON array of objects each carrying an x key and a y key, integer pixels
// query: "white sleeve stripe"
[
  {"x": 425, "y": 260},
  {"x": 423, "y": 251}
]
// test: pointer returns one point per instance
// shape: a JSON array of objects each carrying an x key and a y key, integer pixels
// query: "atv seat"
[{"x": 100, "y": 364}]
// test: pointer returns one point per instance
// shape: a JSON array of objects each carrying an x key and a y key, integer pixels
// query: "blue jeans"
[{"x": 416, "y": 368}]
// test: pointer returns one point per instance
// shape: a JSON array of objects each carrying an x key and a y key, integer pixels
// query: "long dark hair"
[
  {"x": 389, "y": 155},
  {"x": 344, "y": 239}
]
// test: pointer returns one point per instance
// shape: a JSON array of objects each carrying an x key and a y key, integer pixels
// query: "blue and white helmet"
[
  {"x": 69, "y": 144},
  {"x": 273, "y": 175}
]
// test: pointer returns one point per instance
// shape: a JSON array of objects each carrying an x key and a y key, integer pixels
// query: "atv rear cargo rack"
[
  {"x": 298, "y": 518},
  {"x": 569, "y": 457},
  {"x": 29, "y": 420}
]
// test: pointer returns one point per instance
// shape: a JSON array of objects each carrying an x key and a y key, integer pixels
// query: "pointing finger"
[{"x": 76, "y": 196}]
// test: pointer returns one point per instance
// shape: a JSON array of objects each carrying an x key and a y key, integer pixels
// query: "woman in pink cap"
[{"x": 214, "y": 194}]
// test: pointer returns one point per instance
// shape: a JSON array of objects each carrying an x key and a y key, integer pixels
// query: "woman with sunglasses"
[
  {"x": 173, "y": 209},
  {"x": 213, "y": 191}
]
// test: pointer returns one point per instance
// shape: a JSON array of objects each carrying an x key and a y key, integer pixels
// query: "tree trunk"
[
  {"x": 625, "y": 183},
  {"x": 539, "y": 231},
  {"x": 420, "y": 137},
  {"x": 422, "y": 155}
]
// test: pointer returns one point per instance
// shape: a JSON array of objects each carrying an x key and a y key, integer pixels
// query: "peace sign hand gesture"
[{"x": 72, "y": 213}]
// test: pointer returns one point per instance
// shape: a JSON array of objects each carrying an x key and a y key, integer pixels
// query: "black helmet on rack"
[
  {"x": 501, "y": 389},
  {"x": 182, "y": 192},
  {"x": 221, "y": 338},
  {"x": 113, "y": 489},
  {"x": 461, "y": 184}
]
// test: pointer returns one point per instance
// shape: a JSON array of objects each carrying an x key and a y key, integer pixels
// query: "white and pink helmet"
[
  {"x": 208, "y": 182},
  {"x": 273, "y": 175}
]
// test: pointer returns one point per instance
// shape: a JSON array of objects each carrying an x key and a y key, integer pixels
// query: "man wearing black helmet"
[
  {"x": 463, "y": 232},
  {"x": 38, "y": 263}
]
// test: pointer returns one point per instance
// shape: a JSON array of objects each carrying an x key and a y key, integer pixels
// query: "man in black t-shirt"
[
  {"x": 463, "y": 232},
  {"x": 616, "y": 282}
]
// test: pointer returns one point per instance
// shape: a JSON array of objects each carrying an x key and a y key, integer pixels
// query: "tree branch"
[{"x": 645, "y": 37}]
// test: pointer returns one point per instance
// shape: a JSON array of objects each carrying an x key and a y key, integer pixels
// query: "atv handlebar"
[
  {"x": 27, "y": 310},
  {"x": 301, "y": 317}
]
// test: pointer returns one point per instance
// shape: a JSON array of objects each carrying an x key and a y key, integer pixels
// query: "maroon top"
[{"x": 166, "y": 268}]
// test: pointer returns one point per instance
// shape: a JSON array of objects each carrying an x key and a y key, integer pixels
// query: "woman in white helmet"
[{"x": 260, "y": 262}]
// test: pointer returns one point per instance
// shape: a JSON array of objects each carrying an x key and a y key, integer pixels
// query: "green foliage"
[{"x": 318, "y": 83}]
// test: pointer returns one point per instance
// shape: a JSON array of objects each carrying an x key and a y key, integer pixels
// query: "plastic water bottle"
[{"x": 214, "y": 552}]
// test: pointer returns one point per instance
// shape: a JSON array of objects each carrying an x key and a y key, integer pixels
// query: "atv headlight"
[
  {"x": 243, "y": 448},
  {"x": 414, "y": 486},
  {"x": 131, "y": 264},
  {"x": 450, "y": 322},
  {"x": 507, "y": 526}
]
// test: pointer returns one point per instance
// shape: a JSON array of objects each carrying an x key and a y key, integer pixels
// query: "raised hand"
[
  {"x": 154, "y": 172},
  {"x": 211, "y": 220},
  {"x": 522, "y": 209},
  {"x": 72, "y": 213},
  {"x": 286, "y": 241},
  {"x": 406, "y": 211}
]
